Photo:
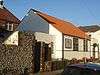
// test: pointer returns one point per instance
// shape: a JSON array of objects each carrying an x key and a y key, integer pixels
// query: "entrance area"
[{"x": 42, "y": 54}]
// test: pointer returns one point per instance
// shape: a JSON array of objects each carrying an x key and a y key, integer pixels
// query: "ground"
[{"x": 49, "y": 73}]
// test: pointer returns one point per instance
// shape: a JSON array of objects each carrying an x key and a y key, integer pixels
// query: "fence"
[{"x": 58, "y": 65}]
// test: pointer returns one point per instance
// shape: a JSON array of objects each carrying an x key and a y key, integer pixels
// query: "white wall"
[
  {"x": 12, "y": 39},
  {"x": 69, "y": 53},
  {"x": 57, "y": 38},
  {"x": 75, "y": 54},
  {"x": 43, "y": 37},
  {"x": 95, "y": 38},
  {"x": 33, "y": 22}
]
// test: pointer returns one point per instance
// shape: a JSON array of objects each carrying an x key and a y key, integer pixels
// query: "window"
[
  {"x": 75, "y": 44},
  {"x": 85, "y": 45},
  {"x": 1, "y": 2},
  {"x": 68, "y": 43},
  {"x": 9, "y": 27},
  {"x": 2, "y": 26}
]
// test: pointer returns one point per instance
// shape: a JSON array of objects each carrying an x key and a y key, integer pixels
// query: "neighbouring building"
[
  {"x": 94, "y": 32},
  {"x": 8, "y": 23},
  {"x": 7, "y": 20},
  {"x": 68, "y": 41}
]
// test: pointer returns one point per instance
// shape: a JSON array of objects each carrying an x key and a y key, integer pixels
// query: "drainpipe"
[
  {"x": 94, "y": 46},
  {"x": 98, "y": 52},
  {"x": 62, "y": 46}
]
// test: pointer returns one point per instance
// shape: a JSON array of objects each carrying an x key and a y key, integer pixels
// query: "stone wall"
[{"x": 14, "y": 60}]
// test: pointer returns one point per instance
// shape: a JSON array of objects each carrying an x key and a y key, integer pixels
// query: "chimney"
[{"x": 1, "y": 4}]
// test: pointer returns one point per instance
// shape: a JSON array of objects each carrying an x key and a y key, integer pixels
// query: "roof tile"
[{"x": 5, "y": 15}]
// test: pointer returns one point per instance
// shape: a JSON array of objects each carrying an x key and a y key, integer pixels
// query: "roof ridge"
[{"x": 55, "y": 18}]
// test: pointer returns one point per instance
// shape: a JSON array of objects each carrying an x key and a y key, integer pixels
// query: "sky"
[{"x": 78, "y": 12}]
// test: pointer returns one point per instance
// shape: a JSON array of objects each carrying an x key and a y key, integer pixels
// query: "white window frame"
[
  {"x": 68, "y": 43},
  {"x": 10, "y": 25}
]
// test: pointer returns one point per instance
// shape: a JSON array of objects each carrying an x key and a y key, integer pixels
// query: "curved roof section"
[
  {"x": 66, "y": 28},
  {"x": 6, "y": 15},
  {"x": 92, "y": 28}
]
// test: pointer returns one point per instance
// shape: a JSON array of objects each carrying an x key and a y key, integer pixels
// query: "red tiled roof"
[
  {"x": 5, "y": 15},
  {"x": 66, "y": 28}
]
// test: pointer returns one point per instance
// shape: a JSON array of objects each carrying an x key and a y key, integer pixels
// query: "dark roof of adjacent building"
[
  {"x": 92, "y": 28},
  {"x": 4, "y": 34},
  {"x": 66, "y": 28},
  {"x": 6, "y": 15}
]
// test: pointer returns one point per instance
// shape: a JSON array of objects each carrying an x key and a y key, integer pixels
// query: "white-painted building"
[
  {"x": 8, "y": 21},
  {"x": 13, "y": 38},
  {"x": 94, "y": 32},
  {"x": 68, "y": 40}
]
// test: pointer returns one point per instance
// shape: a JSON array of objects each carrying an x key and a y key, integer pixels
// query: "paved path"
[{"x": 49, "y": 73}]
